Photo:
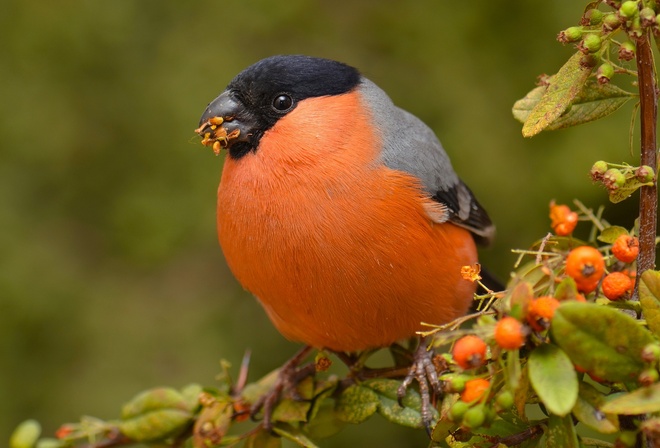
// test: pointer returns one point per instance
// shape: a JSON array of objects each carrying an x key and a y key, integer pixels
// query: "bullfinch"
[{"x": 338, "y": 210}]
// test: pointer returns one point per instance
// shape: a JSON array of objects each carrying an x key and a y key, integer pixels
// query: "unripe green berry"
[
  {"x": 504, "y": 399},
  {"x": 648, "y": 377},
  {"x": 604, "y": 73},
  {"x": 592, "y": 43},
  {"x": 627, "y": 51},
  {"x": 595, "y": 16},
  {"x": 651, "y": 353},
  {"x": 457, "y": 383},
  {"x": 474, "y": 417},
  {"x": 647, "y": 17},
  {"x": 611, "y": 22},
  {"x": 598, "y": 170},
  {"x": 628, "y": 9},
  {"x": 572, "y": 34},
  {"x": 645, "y": 174},
  {"x": 458, "y": 410},
  {"x": 614, "y": 178}
]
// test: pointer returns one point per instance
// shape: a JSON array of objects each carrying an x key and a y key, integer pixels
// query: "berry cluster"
[
  {"x": 615, "y": 177},
  {"x": 594, "y": 36}
]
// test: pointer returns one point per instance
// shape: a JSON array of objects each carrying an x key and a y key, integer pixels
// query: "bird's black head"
[{"x": 265, "y": 92}]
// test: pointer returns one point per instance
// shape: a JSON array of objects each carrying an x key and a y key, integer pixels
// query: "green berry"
[
  {"x": 595, "y": 16},
  {"x": 627, "y": 51},
  {"x": 628, "y": 9},
  {"x": 647, "y": 17},
  {"x": 504, "y": 399},
  {"x": 457, "y": 383},
  {"x": 592, "y": 42},
  {"x": 645, "y": 174},
  {"x": 605, "y": 73},
  {"x": 474, "y": 417},
  {"x": 651, "y": 353},
  {"x": 611, "y": 22},
  {"x": 648, "y": 377},
  {"x": 458, "y": 410},
  {"x": 598, "y": 170},
  {"x": 614, "y": 179},
  {"x": 572, "y": 34}
]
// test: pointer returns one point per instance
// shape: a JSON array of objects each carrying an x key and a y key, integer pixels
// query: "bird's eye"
[{"x": 282, "y": 102}]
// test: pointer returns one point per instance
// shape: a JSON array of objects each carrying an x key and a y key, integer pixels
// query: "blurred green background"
[{"x": 111, "y": 279}]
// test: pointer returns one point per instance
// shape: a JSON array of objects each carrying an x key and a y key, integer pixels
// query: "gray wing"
[{"x": 410, "y": 145}]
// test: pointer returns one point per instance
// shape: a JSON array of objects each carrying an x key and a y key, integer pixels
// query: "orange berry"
[
  {"x": 540, "y": 312},
  {"x": 509, "y": 333},
  {"x": 469, "y": 352},
  {"x": 475, "y": 390},
  {"x": 616, "y": 285},
  {"x": 563, "y": 220},
  {"x": 586, "y": 266},
  {"x": 626, "y": 248}
]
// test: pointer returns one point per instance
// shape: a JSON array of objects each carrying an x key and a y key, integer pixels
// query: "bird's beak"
[{"x": 223, "y": 123}]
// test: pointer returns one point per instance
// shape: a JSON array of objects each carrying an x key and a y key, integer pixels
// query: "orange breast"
[{"x": 336, "y": 246}]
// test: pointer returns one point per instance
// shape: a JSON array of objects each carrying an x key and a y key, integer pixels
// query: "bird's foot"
[
  {"x": 424, "y": 371},
  {"x": 290, "y": 374}
]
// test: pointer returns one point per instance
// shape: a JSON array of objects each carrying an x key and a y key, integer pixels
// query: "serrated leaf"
[
  {"x": 561, "y": 433},
  {"x": 553, "y": 378},
  {"x": 602, "y": 340},
  {"x": 649, "y": 297},
  {"x": 610, "y": 234},
  {"x": 587, "y": 411},
  {"x": 593, "y": 101},
  {"x": 294, "y": 435},
  {"x": 622, "y": 193},
  {"x": 356, "y": 404},
  {"x": 640, "y": 401},
  {"x": 558, "y": 96}
]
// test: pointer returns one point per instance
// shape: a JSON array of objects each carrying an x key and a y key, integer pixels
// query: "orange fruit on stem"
[
  {"x": 616, "y": 285},
  {"x": 626, "y": 248},
  {"x": 585, "y": 264},
  {"x": 469, "y": 352},
  {"x": 563, "y": 220},
  {"x": 540, "y": 312},
  {"x": 475, "y": 390},
  {"x": 509, "y": 333}
]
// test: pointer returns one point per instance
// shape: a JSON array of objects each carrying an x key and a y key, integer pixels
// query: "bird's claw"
[
  {"x": 422, "y": 370},
  {"x": 289, "y": 376}
]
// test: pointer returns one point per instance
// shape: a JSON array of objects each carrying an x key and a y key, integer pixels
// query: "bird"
[{"x": 339, "y": 211}]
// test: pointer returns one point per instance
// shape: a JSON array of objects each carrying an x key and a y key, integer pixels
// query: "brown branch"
[{"x": 648, "y": 205}]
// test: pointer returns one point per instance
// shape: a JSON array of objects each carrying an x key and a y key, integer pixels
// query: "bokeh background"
[{"x": 111, "y": 280}]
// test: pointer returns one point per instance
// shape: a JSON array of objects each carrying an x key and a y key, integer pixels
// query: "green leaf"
[
  {"x": 25, "y": 435},
  {"x": 561, "y": 433},
  {"x": 262, "y": 439},
  {"x": 566, "y": 290},
  {"x": 294, "y": 435},
  {"x": 587, "y": 411},
  {"x": 622, "y": 193},
  {"x": 602, "y": 340},
  {"x": 649, "y": 297},
  {"x": 155, "y": 425},
  {"x": 292, "y": 411},
  {"x": 610, "y": 234},
  {"x": 408, "y": 415},
  {"x": 325, "y": 422},
  {"x": 154, "y": 399},
  {"x": 558, "y": 96},
  {"x": 593, "y": 101},
  {"x": 356, "y": 404},
  {"x": 445, "y": 425},
  {"x": 640, "y": 401},
  {"x": 553, "y": 377}
]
